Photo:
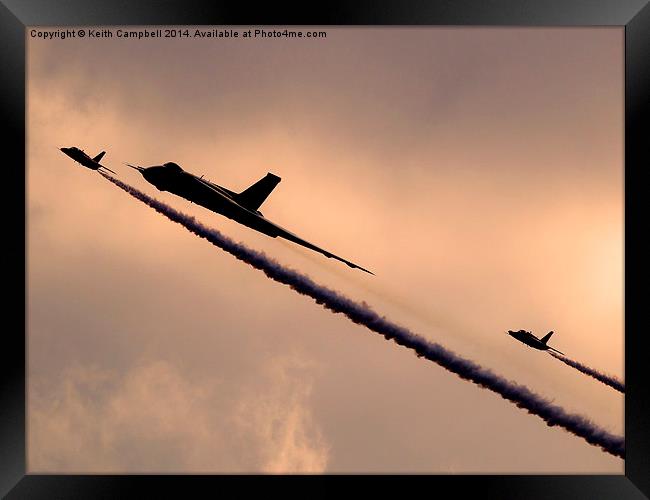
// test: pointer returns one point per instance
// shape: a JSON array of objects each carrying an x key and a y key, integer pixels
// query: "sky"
[{"x": 477, "y": 171}]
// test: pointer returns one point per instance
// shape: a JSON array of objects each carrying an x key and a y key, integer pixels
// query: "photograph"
[{"x": 325, "y": 249}]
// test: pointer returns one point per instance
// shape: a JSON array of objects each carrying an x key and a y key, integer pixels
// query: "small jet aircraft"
[
  {"x": 529, "y": 339},
  {"x": 240, "y": 207},
  {"x": 80, "y": 156}
]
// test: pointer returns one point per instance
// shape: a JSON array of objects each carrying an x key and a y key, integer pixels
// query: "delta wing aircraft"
[{"x": 241, "y": 207}]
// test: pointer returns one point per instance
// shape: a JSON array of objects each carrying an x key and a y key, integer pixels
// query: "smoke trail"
[
  {"x": 601, "y": 377},
  {"x": 362, "y": 314}
]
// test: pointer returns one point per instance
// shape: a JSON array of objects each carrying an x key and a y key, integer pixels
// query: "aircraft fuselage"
[
  {"x": 529, "y": 339},
  {"x": 81, "y": 157}
]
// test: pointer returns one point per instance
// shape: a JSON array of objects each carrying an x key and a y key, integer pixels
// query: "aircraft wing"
[
  {"x": 102, "y": 166},
  {"x": 215, "y": 187},
  {"x": 256, "y": 221},
  {"x": 283, "y": 233}
]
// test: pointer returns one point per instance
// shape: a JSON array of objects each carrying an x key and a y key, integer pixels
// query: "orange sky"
[{"x": 478, "y": 172}]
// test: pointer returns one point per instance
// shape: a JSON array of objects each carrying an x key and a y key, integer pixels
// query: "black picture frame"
[{"x": 16, "y": 15}]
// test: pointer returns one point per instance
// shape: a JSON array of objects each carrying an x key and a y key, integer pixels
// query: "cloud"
[
  {"x": 281, "y": 419},
  {"x": 153, "y": 418},
  {"x": 373, "y": 150}
]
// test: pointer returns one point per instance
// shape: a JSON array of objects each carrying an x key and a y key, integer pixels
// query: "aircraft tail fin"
[
  {"x": 99, "y": 157},
  {"x": 253, "y": 197},
  {"x": 545, "y": 338}
]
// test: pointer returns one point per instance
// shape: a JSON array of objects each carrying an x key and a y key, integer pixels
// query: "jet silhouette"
[
  {"x": 532, "y": 341},
  {"x": 240, "y": 207},
  {"x": 80, "y": 156}
]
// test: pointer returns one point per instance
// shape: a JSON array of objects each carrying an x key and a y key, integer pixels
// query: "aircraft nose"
[{"x": 154, "y": 175}]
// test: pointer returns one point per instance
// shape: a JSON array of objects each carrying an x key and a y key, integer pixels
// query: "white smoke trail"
[
  {"x": 601, "y": 377},
  {"x": 362, "y": 314}
]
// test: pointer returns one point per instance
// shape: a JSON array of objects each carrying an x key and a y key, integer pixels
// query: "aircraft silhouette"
[
  {"x": 240, "y": 207},
  {"x": 80, "y": 156},
  {"x": 532, "y": 341}
]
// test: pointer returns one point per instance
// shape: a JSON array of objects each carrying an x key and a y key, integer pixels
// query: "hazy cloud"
[
  {"x": 154, "y": 418},
  {"x": 492, "y": 157}
]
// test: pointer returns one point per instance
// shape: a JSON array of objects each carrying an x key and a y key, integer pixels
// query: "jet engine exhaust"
[
  {"x": 362, "y": 314},
  {"x": 613, "y": 382}
]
